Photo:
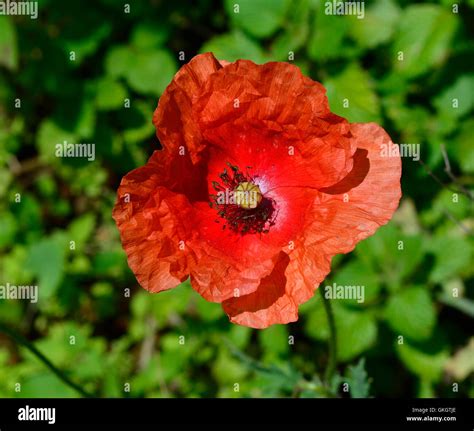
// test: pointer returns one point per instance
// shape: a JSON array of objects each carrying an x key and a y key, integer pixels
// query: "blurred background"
[{"x": 68, "y": 76}]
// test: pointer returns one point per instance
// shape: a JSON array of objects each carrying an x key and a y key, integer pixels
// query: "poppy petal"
[
  {"x": 154, "y": 224},
  {"x": 334, "y": 226},
  {"x": 369, "y": 198},
  {"x": 230, "y": 263},
  {"x": 217, "y": 279},
  {"x": 276, "y": 97},
  {"x": 271, "y": 303},
  {"x": 174, "y": 119},
  {"x": 357, "y": 207}
]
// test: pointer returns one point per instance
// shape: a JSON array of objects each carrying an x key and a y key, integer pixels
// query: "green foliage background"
[{"x": 136, "y": 340}]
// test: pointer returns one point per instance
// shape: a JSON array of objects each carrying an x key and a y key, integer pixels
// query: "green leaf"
[
  {"x": 8, "y": 230},
  {"x": 234, "y": 46},
  {"x": 259, "y": 18},
  {"x": 449, "y": 264},
  {"x": 240, "y": 336},
  {"x": 227, "y": 369},
  {"x": 46, "y": 385},
  {"x": 358, "y": 380},
  {"x": 283, "y": 378},
  {"x": 351, "y": 95},
  {"x": 173, "y": 303},
  {"x": 392, "y": 254},
  {"x": 208, "y": 311},
  {"x": 461, "y": 146},
  {"x": 5, "y": 179},
  {"x": 424, "y": 37},
  {"x": 78, "y": 358},
  {"x": 356, "y": 331},
  {"x": 140, "y": 305},
  {"x": 295, "y": 33},
  {"x": 136, "y": 122},
  {"x": 426, "y": 362},
  {"x": 8, "y": 44},
  {"x": 110, "y": 94},
  {"x": 411, "y": 313},
  {"x": 118, "y": 61},
  {"x": 460, "y": 94},
  {"x": 413, "y": 122},
  {"x": 152, "y": 71},
  {"x": 317, "y": 324},
  {"x": 47, "y": 185},
  {"x": 274, "y": 340},
  {"x": 49, "y": 135},
  {"x": 148, "y": 35},
  {"x": 88, "y": 42},
  {"x": 327, "y": 38},
  {"x": 86, "y": 119},
  {"x": 148, "y": 378},
  {"x": 108, "y": 262},
  {"x": 29, "y": 216},
  {"x": 175, "y": 356},
  {"x": 53, "y": 251},
  {"x": 80, "y": 230},
  {"x": 377, "y": 26},
  {"x": 457, "y": 205},
  {"x": 358, "y": 273}
]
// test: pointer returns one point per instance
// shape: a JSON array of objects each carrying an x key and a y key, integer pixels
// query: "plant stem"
[
  {"x": 24, "y": 342},
  {"x": 331, "y": 366}
]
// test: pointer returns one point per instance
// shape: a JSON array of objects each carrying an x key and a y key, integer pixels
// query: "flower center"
[
  {"x": 247, "y": 195},
  {"x": 241, "y": 204}
]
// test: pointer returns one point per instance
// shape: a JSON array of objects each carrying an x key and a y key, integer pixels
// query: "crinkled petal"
[
  {"x": 154, "y": 225},
  {"x": 204, "y": 95},
  {"x": 276, "y": 97},
  {"x": 354, "y": 209},
  {"x": 349, "y": 212},
  {"x": 231, "y": 264},
  {"x": 365, "y": 200},
  {"x": 176, "y": 125},
  {"x": 228, "y": 264},
  {"x": 271, "y": 303},
  {"x": 275, "y": 159}
]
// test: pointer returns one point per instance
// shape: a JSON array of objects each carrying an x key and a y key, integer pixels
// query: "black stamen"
[{"x": 242, "y": 220}]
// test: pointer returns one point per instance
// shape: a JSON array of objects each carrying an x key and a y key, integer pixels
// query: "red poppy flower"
[{"x": 258, "y": 185}]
